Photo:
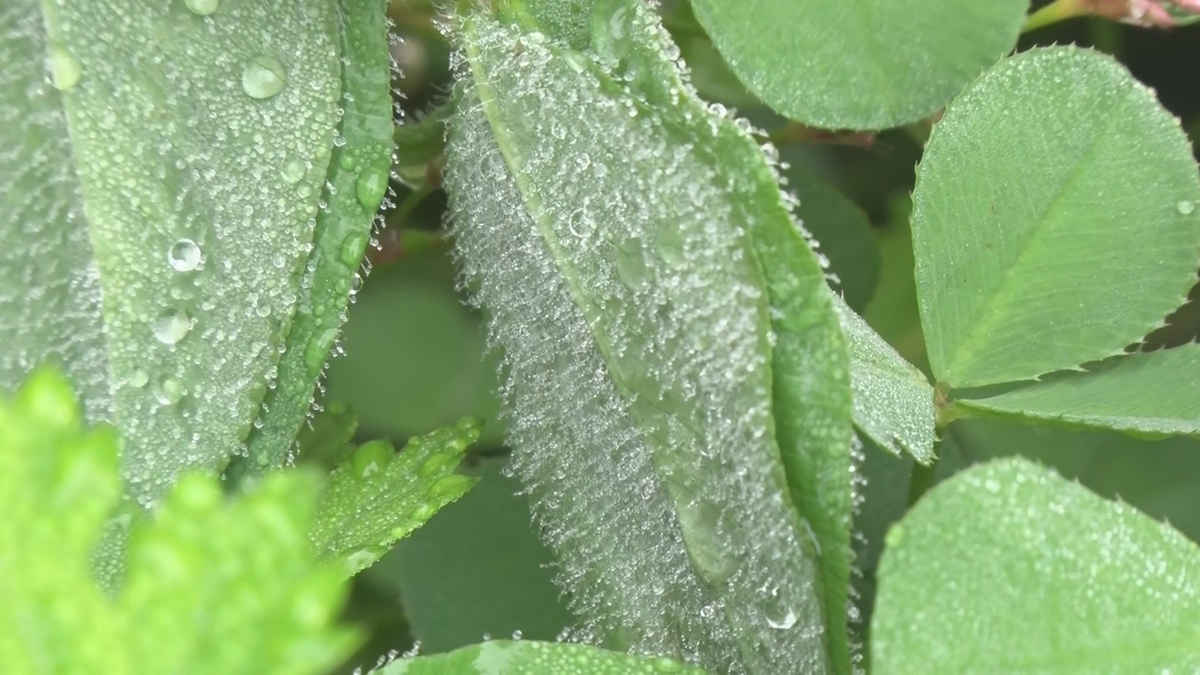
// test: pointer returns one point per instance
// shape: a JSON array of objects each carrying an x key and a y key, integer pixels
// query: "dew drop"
[
  {"x": 202, "y": 7},
  {"x": 138, "y": 378},
  {"x": 293, "y": 171},
  {"x": 65, "y": 69},
  {"x": 263, "y": 77},
  {"x": 785, "y": 622},
  {"x": 168, "y": 391},
  {"x": 1185, "y": 207},
  {"x": 517, "y": 634},
  {"x": 184, "y": 255},
  {"x": 171, "y": 326},
  {"x": 352, "y": 249},
  {"x": 370, "y": 188}
]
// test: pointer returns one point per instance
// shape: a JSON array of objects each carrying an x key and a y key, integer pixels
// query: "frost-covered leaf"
[
  {"x": 893, "y": 402},
  {"x": 168, "y": 231},
  {"x": 1045, "y": 577},
  {"x": 1146, "y": 394},
  {"x": 378, "y": 496},
  {"x": 245, "y": 566},
  {"x": 860, "y": 64},
  {"x": 634, "y": 251},
  {"x": 355, "y": 187},
  {"x": 503, "y": 657},
  {"x": 1055, "y": 219}
]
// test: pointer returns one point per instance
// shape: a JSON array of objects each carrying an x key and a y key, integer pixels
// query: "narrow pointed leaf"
[
  {"x": 863, "y": 64},
  {"x": 198, "y": 143},
  {"x": 356, "y": 184},
  {"x": 1145, "y": 394},
  {"x": 893, "y": 402},
  {"x": 1045, "y": 577},
  {"x": 1055, "y": 219},
  {"x": 633, "y": 282},
  {"x": 502, "y": 657},
  {"x": 378, "y": 496}
]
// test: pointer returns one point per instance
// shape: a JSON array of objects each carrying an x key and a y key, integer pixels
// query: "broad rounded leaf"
[
  {"x": 1146, "y": 394},
  {"x": 1055, "y": 219},
  {"x": 860, "y": 64},
  {"x": 1044, "y": 576},
  {"x": 502, "y": 657}
]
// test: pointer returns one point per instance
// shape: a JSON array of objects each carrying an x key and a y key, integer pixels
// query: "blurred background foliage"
[{"x": 415, "y": 357}]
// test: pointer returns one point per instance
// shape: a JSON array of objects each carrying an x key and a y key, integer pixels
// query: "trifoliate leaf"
[
  {"x": 211, "y": 586},
  {"x": 1042, "y": 577},
  {"x": 378, "y": 496}
]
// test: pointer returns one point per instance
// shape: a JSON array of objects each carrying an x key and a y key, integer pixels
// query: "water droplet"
[
  {"x": 263, "y": 310},
  {"x": 707, "y": 611},
  {"x": 171, "y": 326},
  {"x": 318, "y": 349},
  {"x": 783, "y": 623},
  {"x": 370, "y": 188},
  {"x": 263, "y": 77},
  {"x": 339, "y": 141},
  {"x": 168, "y": 391},
  {"x": 293, "y": 171},
  {"x": 65, "y": 69},
  {"x": 346, "y": 162},
  {"x": 184, "y": 255},
  {"x": 1186, "y": 206},
  {"x": 517, "y": 634},
  {"x": 352, "y": 249},
  {"x": 202, "y": 7},
  {"x": 138, "y": 378},
  {"x": 991, "y": 485}
]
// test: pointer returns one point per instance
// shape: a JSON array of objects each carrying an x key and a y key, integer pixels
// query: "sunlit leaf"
[
  {"x": 1045, "y": 577},
  {"x": 1055, "y": 219},
  {"x": 866, "y": 64}
]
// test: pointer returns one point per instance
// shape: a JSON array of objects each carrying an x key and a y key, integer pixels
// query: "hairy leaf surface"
[
  {"x": 502, "y": 657},
  {"x": 1045, "y": 577},
  {"x": 1055, "y": 219},
  {"x": 245, "y": 566},
  {"x": 860, "y": 64},
  {"x": 183, "y": 150},
  {"x": 1147, "y": 394},
  {"x": 635, "y": 254}
]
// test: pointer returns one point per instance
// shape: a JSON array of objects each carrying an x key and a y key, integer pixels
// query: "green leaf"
[
  {"x": 1144, "y": 394},
  {"x": 634, "y": 296},
  {"x": 864, "y": 64},
  {"x": 844, "y": 233},
  {"x": 355, "y": 187},
  {"x": 378, "y": 496},
  {"x": 329, "y": 440},
  {"x": 1056, "y": 190},
  {"x": 245, "y": 566},
  {"x": 477, "y": 569},
  {"x": 182, "y": 152},
  {"x": 1045, "y": 577},
  {"x": 419, "y": 143},
  {"x": 893, "y": 402},
  {"x": 501, "y": 657}
]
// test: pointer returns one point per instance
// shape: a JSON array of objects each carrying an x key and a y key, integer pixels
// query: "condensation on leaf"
[{"x": 529, "y": 657}]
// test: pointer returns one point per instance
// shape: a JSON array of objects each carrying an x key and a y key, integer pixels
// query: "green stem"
[{"x": 1059, "y": 10}]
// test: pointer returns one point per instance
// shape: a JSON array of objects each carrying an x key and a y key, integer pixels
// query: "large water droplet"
[
  {"x": 352, "y": 249},
  {"x": 293, "y": 171},
  {"x": 171, "y": 326},
  {"x": 782, "y": 623},
  {"x": 184, "y": 255},
  {"x": 370, "y": 188},
  {"x": 263, "y": 77},
  {"x": 202, "y": 7},
  {"x": 138, "y": 378},
  {"x": 1185, "y": 206},
  {"x": 168, "y": 391},
  {"x": 65, "y": 69}
]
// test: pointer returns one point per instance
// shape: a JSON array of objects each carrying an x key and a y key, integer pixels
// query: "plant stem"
[{"x": 1059, "y": 10}]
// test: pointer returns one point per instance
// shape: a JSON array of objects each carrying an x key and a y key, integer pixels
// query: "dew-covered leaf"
[
  {"x": 632, "y": 294},
  {"x": 1144, "y": 394},
  {"x": 378, "y": 496},
  {"x": 476, "y": 569},
  {"x": 893, "y": 402},
  {"x": 1054, "y": 219},
  {"x": 1045, "y": 576},
  {"x": 245, "y": 566},
  {"x": 354, "y": 189},
  {"x": 864, "y": 64},
  {"x": 175, "y": 219},
  {"x": 505, "y": 657}
]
